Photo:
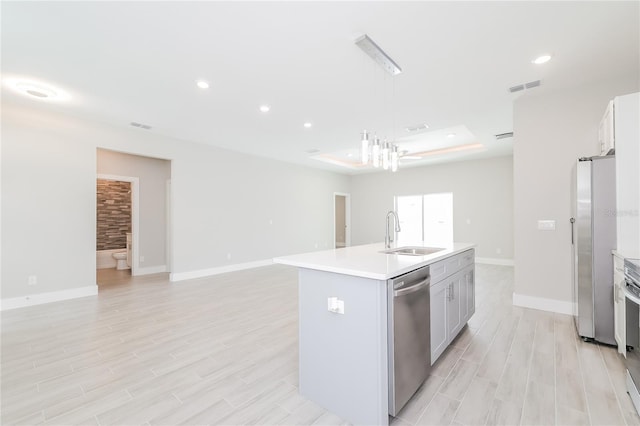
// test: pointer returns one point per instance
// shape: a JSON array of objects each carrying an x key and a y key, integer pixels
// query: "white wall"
[
  {"x": 482, "y": 192},
  {"x": 551, "y": 132},
  {"x": 223, "y": 202},
  {"x": 153, "y": 174},
  {"x": 48, "y": 206}
]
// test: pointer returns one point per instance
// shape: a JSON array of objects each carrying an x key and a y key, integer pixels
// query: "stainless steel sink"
[{"x": 413, "y": 251}]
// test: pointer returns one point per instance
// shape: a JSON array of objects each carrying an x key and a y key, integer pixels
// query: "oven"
[{"x": 632, "y": 314}]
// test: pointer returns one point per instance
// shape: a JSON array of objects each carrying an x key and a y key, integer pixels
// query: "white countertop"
[{"x": 366, "y": 261}]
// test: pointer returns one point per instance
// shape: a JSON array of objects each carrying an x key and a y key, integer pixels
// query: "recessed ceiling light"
[
  {"x": 541, "y": 59},
  {"x": 451, "y": 135},
  {"x": 38, "y": 90},
  {"x": 202, "y": 84},
  {"x": 307, "y": 124},
  {"x": 265, "y": 108}
]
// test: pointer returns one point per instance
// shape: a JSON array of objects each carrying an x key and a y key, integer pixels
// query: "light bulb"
[
  {"x": 375, "y": 152},
  {"x": 394, "y": 159},
  {"x": 541, "y": 59},
  {"x": 365, "y": 147},
  {"x": 385, "y": 155}
]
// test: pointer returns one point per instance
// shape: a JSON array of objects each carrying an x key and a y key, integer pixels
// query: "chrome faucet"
[{"x": 388, "y": 239}]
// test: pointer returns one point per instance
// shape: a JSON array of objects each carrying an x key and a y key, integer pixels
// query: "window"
[{"x": 427, "y": 218}]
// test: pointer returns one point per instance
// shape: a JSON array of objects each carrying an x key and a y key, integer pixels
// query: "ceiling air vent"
[
  {"x": 517, "y": 88},
  {"x": 523, "y": 86},
  {"x": 504, "y": 135},
  {"x": 416, "y": 128},
  {"x": 532, "y": 84},
  {"x": 140, "y": 125}
]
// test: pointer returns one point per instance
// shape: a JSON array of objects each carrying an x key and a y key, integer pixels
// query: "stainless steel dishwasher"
[{"x": 409, "y": 336}]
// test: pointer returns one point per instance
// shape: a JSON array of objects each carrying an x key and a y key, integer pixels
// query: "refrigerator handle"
[{"x": 572, "y": 220}]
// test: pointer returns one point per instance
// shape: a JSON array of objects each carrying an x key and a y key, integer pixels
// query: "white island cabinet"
[
  {"x": 344, "y": 333},
  {"x": 452, "y": 299}
]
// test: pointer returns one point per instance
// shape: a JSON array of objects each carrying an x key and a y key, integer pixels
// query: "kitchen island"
[{"x": 346, "y": 361}]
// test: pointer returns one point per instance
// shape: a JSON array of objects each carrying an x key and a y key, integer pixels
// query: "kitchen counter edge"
[{"x": 348, "y": 260}]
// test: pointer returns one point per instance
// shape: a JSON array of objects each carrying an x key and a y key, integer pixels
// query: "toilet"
[{"x": 121, "y": 259}]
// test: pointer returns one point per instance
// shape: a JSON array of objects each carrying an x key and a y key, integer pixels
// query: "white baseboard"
[
  {"x": 543, "y": 304},
  {"x": 151, "y": 270},
  {"x": 181, "y": 276},
  {"x": 53, "y": 296},
  {"x": 494, "y": 261}
]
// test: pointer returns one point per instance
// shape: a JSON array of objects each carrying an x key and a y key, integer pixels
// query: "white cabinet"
[
  {"x": 452, "y": 299},
  {"x": 468, "y": 293},
  {"x": 619, "y": 319},
  {"x": 461, "y": 300},
  {"x": 606, "y": 130},
  {"x": 627, "y": 130},
  {"x": 439, "y": 299}
]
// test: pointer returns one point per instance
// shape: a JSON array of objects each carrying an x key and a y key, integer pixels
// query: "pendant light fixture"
[
  {"x": 375, "y": 152},
  {"x": 394, "y": 159},
  {"x": 365, "y": 147},
  {"x": 385, "y": 153}
]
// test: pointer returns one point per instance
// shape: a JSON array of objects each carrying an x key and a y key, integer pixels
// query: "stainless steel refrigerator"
[{"x": 593, "y": 237}]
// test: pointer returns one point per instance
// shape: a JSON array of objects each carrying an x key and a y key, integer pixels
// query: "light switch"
[
  {"x": 547, "y": 225},
  {"x": 335, "y": 305}
]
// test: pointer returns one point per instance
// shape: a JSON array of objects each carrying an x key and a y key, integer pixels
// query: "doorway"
[
  {"x": 134, "y": 185},
  {"x": 150, "y": 232},
  {"x": 342, "y": 220}
]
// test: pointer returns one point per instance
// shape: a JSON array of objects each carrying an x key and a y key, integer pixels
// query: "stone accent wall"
[{"x": 114, "y": 214}]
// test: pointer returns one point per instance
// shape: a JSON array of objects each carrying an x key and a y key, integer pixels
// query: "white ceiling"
[{"x": 138, "y": 62}]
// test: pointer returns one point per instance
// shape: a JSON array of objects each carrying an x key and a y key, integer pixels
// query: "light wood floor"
[{"x": 223, "y": 350}]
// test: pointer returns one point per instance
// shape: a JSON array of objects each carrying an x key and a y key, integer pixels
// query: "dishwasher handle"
[{"x": 412, "y": 289}]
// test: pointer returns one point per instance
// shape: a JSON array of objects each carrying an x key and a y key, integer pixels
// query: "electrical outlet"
[
  {"x": 141, "y": 259},
  {"x": 547, "y": 225},
  {"x": 228, "y": 256},
  {"x": 32, "y": 280},
  {"x": 335, "y": 305},
  {"x": 498, "y": 251}
]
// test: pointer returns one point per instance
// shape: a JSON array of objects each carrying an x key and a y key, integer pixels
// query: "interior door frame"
[
  {"x": 135, "y": 216},
  {"x": 347, "y": 218}
]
